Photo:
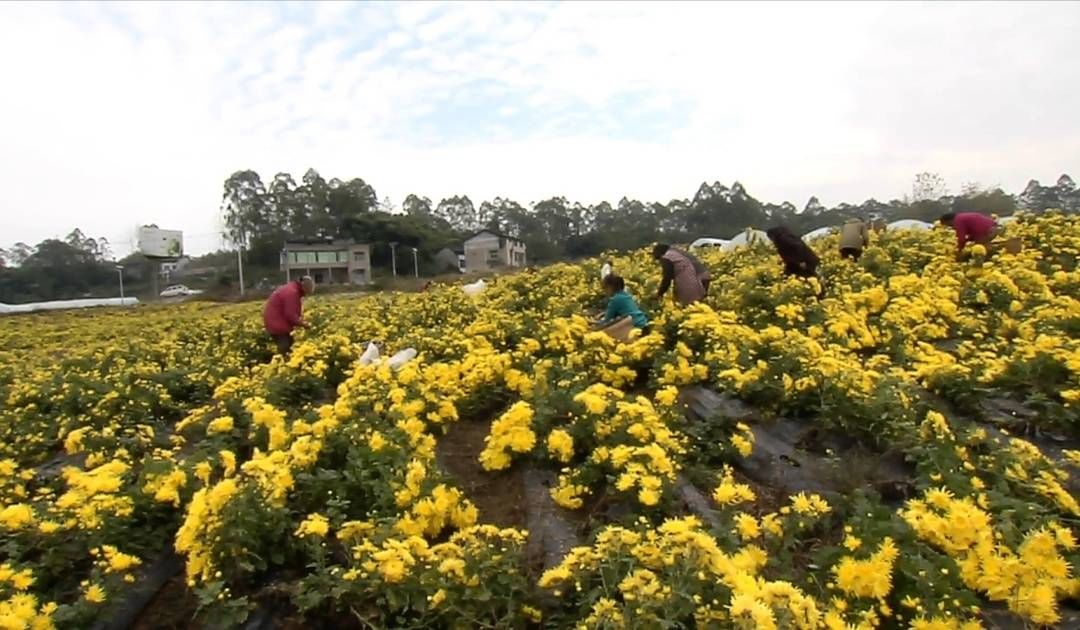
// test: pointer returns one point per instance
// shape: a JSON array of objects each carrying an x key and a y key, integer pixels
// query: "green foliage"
[
  {"x": 260, "y": 216},
  {"x": 58, "y": 270}
]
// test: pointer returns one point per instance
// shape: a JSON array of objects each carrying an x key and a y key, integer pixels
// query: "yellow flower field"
[{"x": 126, "y": 434}]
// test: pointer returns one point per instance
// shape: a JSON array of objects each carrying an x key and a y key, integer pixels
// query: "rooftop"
[
  {"x": 494, "y": 233},
  {"x": 336, "y": 242}
]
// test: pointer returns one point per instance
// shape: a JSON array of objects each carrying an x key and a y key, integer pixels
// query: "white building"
[
  {"x": 171, "y": 269},
  {"x": 327, "y": 261},
  {"x": 488, "y": 249}
]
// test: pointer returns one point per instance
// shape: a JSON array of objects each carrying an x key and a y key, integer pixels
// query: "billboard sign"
[{"x": 157, "y": 243}]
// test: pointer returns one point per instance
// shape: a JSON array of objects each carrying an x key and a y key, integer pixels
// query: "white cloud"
[
  {"x": 114, "y": 115},
  {"x": 398, "y": 39}
]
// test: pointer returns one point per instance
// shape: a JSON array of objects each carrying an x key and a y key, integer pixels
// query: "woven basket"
[{"x": 620, "y": 330}]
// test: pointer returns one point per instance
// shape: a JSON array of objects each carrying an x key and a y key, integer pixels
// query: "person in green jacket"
[{"x": 621, "y": 305}]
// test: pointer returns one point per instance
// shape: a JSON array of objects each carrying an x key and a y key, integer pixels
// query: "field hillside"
[{"x": 902, "y": 453}]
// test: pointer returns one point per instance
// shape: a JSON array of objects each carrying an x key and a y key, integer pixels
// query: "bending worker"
[
  {"x": 854, "y": 237},
  {"x": 798, "y": 258},
  {"x": 283, "y": 311},
  {"x": 971, "y": 227},
  {"x": 691, "y": 278},
  {"x": 621, "y": 306}
]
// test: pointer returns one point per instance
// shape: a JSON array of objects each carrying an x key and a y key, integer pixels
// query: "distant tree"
[
  {"x": 505, "y": 215},
  {"x": 671, "y": 219},
  {"x": 720, "y": 212},
  {"x": 18, "y": 253},
  {"x": 554, "y": 213},
  {"x": 459, "y": 212},
  {"x": 977, "y": 198},
  {"x": 1038, "y": 198},
  {"x": 351, "y": 199},
  {"x": 928, "y": 210},
  {"x": 813, "y": 207},
  {"x": 1067, "y": 193},
  {"x": 55, "y": 254},
  {"x": 416, "y": 206},
  {"x": 928, "y": 187},
  {"x": 970, "y": 189},
  {"x": 244, "y": 207},
  {"x": 380, "y": 229},
  {"x": 98, "y": 248},
  {"x": 705, "y": 216},
  {"x": 314, "y": 195},
  {"x": 487, "y": 215},
  {"x": 581, "y": 220},
  {"x": 282, "y": 204},
  {"x": 558, "y": 227},
  {"x": 492, "y": 215},
  {"x": 104, "y": 248},
  {"x": 138, "y": 268},
  {"x": 56, "y": 270}
]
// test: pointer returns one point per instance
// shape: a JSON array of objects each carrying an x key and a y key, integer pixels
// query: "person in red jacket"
[
  {"x": 971, "y": 227},
  {"x": 282, "y": 313}
]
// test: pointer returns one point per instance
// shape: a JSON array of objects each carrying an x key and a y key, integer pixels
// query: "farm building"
[
  {"x": 488, "y": 249},
  {"x": 447, "y": 259},
  {"x": 328, "y": 261}
]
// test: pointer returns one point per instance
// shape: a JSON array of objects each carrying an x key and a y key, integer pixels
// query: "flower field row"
[{"x": 316, "y": 480}]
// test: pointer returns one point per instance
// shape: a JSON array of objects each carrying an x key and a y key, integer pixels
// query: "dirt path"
[
  {"x": 499, "y": 496},
  {"x": 173, "y": 608}
]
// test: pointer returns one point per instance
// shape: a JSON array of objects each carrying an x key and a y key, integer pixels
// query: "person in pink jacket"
[
  {"x": 971, "y": 227},
  {"x": 283, "y": 311},
  {"x": 690, "y": 277}
]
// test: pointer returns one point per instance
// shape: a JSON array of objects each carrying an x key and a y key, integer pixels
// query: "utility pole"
[
  {"x": 242, "y": 233},
  {"x": 415, "y": 264},
  {"x": 393, "y": 257},
  {"x": 120, "y": 271},
  {"x": 240, "y": 267}
]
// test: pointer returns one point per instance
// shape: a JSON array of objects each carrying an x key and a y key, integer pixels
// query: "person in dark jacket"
[
  {"x": 690, "y": 277},
  {"x": 283, "y": 312},
  {"x": 799, "y": 259}
]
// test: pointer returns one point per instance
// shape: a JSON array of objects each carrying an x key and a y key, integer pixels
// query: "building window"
[
  {"x": 359, "y": 257},
  {"x": 303, "y": 258},
  {"x": 326, "y": 257},
  {"x": 493, "y": 255}
]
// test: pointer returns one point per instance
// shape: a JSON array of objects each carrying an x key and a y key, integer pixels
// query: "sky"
[{"x": 115, "y": 115}]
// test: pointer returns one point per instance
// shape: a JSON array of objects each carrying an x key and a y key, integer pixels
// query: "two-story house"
[
  {"x": 488, "y": 249},
  {"x": 327, "y": 261}
]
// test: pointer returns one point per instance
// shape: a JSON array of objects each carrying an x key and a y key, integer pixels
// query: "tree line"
[
  {"x": 55, "y": 269},
  {"x": 259, "y": 216}
]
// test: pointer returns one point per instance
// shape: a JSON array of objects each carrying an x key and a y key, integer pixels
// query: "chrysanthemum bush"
[
  {"x": 126, "y": 434},
  {"x": 676, "y": 573}
]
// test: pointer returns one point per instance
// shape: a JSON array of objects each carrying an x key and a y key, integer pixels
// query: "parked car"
[{"x": 179, "y": 290}]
